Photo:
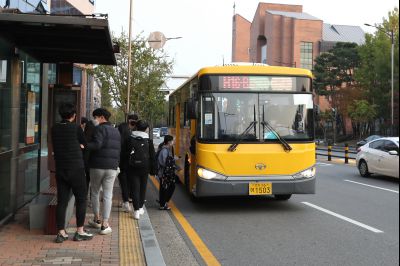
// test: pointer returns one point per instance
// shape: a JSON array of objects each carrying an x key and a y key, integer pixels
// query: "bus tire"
[
  {"x": 283, "y": 196},
  {"x": 187, "y": 174}
]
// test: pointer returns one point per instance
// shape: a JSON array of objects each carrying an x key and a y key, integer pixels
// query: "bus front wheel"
[{"x": 283, "y": 196}]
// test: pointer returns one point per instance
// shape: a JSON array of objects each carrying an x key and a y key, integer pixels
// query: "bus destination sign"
[{"x": 256, "y": 83}]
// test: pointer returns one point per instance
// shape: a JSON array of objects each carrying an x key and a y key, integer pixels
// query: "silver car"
[
  {"x": 156, "y": 133},
  {"x": 380, "y": 156}
]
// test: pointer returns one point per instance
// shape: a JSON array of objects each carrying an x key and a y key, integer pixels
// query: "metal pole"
[
  {"x": 392, "y": 81},
  {"x": 346, "y": 153},
  {"x": 128, "y": 96},
  {"x": 329, "y": 152}
]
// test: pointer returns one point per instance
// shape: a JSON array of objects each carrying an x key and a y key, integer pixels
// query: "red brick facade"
[{"x": 282, "y": 35}]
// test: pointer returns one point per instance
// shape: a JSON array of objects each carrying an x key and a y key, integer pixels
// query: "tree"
[
  {"x": 149, "y": 70},
  {"x": 334, "y": 74},
  {"x": 374, "y": 73},
  {"x": 362, "y": 114}
]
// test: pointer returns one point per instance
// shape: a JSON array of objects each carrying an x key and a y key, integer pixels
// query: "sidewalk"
[{"x": 124, "y": 246}]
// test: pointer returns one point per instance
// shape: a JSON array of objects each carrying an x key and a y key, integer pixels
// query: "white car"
[
  {"x": 156, "y": 133},
  {"x": 380, "y": 156}
]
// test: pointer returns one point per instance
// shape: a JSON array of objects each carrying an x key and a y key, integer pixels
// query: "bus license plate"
[{"x": 260, "y": 188}]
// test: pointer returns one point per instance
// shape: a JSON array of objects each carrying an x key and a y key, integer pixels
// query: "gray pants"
[{"x": 102, "y": 178}]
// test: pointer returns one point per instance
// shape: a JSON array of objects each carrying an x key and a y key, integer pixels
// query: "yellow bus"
[{"x": 245, "y": 129}]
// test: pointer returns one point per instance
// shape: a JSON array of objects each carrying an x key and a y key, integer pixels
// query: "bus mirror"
[{"x": 192, "y": 110}]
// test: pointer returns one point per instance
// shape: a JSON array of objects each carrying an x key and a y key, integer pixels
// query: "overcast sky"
[{"x": 206, "y": 25}]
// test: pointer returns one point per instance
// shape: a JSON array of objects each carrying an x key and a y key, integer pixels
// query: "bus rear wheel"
[{"x": 283, "y": 196}]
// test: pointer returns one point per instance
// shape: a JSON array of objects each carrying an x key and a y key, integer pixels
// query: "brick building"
[{"x": 284, "y": 35}]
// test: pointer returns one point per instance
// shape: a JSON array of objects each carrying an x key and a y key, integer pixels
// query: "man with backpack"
[
  {"x": 140, "y": 157},
  {"x": 125, "y": 129},
  {"x": 166, "y": 171}
]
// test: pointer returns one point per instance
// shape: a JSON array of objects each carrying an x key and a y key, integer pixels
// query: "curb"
[{"x": 152, "y": 251}]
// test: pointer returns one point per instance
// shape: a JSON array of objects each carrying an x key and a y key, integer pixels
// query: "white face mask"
[{"x": 96, "y": 122}]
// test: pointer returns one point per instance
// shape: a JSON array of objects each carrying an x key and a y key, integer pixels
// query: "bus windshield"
[{"x": 226, "y": 116}]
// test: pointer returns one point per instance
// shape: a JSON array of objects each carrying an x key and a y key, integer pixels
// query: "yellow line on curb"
[
  {"x": 130, "y": 246},
  {"x": 198, "y": 243}
]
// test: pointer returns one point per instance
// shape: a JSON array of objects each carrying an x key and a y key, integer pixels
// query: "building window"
[
  {"x": 5, "y": 107},
  {"x": 77, "y": 77},
  {"x": 306, "y": 55}
]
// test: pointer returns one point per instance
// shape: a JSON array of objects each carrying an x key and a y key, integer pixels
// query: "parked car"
[
  {"x": 366, "y": 140},
  {"x": 156, "y": 133},
  {"x": 163, "y": 131},
  {"x": 380, "y": 156}
]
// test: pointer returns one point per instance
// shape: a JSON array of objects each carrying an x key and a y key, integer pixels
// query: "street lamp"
[
  {"x": 128, "y": 96},
  {"x": 391, "y": 35}
]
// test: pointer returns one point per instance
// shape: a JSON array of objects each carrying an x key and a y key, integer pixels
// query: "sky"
[{"x": 206, "y": 26}]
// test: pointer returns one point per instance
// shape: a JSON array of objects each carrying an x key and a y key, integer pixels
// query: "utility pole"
[{"x": 128, "y": 97}]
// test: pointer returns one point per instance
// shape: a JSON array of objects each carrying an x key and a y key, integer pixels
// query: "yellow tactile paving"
[{"x": 130, "y": 246}]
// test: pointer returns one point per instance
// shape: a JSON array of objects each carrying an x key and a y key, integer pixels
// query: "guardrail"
[{"x": 346, "y": 151}]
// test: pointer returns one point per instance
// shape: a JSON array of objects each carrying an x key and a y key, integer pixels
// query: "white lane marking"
[
  {"x": 390, "y": 190},
  {"x": 324, "y": 164},
  {"x": 370, "y": 228}
]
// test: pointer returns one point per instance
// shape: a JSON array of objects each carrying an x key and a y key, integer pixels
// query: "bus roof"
[
  {"x": 254, "y": 69},
  {"x": 248, "y": 68}
]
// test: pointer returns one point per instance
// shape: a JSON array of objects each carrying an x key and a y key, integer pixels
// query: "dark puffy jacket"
[
  {"x": 125, "y": 132},
  {"x": 66, "y": 138},
  {"x": 105, "y": 147}
]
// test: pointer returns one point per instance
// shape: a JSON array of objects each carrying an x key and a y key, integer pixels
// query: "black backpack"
[
  {"x": 139, "y": 156},
  {"x": 169, "y": 172}
]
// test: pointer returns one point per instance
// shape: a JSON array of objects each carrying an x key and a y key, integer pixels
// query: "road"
[{"x": 349, "y": 221}]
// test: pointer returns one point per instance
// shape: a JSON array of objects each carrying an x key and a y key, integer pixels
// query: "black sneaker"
[
  {"x": 60, "y": 238},
  {"x": 82, "y": 237}
]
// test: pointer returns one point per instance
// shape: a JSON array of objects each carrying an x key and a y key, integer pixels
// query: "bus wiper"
[
  {"x": 284, "y": 143},
  {"x": 233, "y": 147}
]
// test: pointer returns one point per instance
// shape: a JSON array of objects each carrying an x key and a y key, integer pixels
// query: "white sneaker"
[
  {"x": 105, "y": 230},
  {"x": 141, "y": 211},
  {"x": 95, "y": 224},
  {"x": 136, "y": 215},
  {"x": 126, "y": 207}
]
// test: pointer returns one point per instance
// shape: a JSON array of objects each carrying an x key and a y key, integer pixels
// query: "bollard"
[
  {"x": 330, "y": 152},
  {"x": 346, "y": 154}
]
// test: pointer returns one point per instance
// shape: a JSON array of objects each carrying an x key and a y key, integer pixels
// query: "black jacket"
[
  {"x": 66, "y": 139},
  {"x": 105, "y": 147},
  {"x": 125, "y": 132}
]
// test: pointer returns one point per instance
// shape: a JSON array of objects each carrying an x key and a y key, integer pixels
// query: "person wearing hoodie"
[
  {"x": 140, "y": 162},
  {"x": 125, "y": 129}
]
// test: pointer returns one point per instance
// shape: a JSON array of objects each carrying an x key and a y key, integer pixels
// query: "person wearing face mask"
[
  {"x": 104, "y": 161},
  {"x": 125, "y": 129},
  {"x": 166, "y": 171}
]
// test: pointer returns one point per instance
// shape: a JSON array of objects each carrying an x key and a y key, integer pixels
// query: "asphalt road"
[{"x": 349, "y": 221}]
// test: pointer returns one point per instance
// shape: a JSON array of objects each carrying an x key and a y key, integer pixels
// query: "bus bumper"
[{"x": 210, "y": 188}]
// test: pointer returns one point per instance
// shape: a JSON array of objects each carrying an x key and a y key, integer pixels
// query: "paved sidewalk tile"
[{"x": 21, "y": 246}]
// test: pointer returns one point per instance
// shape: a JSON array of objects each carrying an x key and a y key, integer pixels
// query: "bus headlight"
[
  {"x": 206, "y": 174},
  {"x": 309, "y": 173}
]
